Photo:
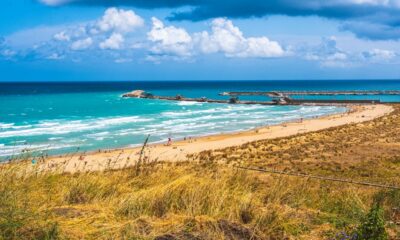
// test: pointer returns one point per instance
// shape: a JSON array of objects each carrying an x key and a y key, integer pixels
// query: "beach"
[
  {"x": 186, "y": 149},
  {"x": 210, "y": 195}
]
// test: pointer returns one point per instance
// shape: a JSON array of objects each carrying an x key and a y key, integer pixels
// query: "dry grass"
[{"x": 210, "y": 198}]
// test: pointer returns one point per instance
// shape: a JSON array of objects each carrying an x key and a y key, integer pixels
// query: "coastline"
[{"x": 178, "y": 151}]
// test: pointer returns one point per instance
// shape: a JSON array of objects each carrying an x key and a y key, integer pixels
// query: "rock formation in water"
[{"x": 135, "y": 93}]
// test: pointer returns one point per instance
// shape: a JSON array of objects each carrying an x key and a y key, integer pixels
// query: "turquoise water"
[{"x": 56, "y": 119}]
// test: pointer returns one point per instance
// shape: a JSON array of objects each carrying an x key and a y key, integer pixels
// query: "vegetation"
[
  {"x": 373, "y": 226},
  {"x": 209, "y": 198}
]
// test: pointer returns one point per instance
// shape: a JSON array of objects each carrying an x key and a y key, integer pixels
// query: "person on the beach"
[{"x": 169, "y": 142}]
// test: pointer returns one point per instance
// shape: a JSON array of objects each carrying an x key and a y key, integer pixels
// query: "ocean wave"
[
  {"x": 100, "y": 134},
  {"x": 192, "y": 119},
  {"x": 55, "y": 138},
  {"x": 188, "y": 103},
  {"x": 56, "y": 127},
  {"x": 213, "y": 110},
  {"x": 6, "y": 151},
  {"x": 195, "y": 119},
  {"x": 6, "y": 125}
]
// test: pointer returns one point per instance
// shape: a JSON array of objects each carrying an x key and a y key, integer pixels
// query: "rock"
[{"x": 135, "y": 93}]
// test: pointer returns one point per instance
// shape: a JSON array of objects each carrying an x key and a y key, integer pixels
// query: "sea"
[{"x": 52, "y": 118}]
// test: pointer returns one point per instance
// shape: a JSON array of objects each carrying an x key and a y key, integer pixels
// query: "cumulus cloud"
[
  {"x": 223, "y": 38},
  {"x": 107, "y": 32},
  {"x": 379, "y": 55},
  {"x": 5, "y": 51},
  {"x": 55, "y": 56},
  {"x": 62, "y": 36},
  {"x": 376, "y": 12},
  {"x": 8, "y": 53},
  {"x": 119, "y": 20},
  {"x": 114, "y": 20},
  {"x": 115, "y": 42},
  {"x": 228, "y": 39},
  {"x": 328, "y": 54},
  {"x": 82, "y": 44},
  {"x": 84, "y": 40},
  {"x": 115, "y": 31},
  {"x": 169, "y": 40},
  {"x": 123, "y": 60}
]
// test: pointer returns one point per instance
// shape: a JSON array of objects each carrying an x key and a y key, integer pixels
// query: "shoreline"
[{"x": 178, "y": 151}]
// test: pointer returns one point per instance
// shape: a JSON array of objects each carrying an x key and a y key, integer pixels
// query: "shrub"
[{"x": 373, "y": 226}]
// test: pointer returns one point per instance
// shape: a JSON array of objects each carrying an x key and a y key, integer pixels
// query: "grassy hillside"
[{"x": 209, "y": 198}]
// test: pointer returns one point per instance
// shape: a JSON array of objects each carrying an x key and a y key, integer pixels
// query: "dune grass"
[
  {"x": 187, "y": 201},
  {"x": 208, "y": 198}
]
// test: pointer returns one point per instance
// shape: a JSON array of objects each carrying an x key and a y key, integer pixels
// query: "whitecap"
[
  {"x": 188, "y": 103},
  {"x": 98, "y": 134},
  {"x": 6, "y": 125},
  {"x": 19, "y": 149},
  {"x": 55, "y": 138},
  {"x": 63, "y": 127}
]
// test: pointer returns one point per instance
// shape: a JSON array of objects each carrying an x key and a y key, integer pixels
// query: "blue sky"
[{"x": 89, "y": 40}]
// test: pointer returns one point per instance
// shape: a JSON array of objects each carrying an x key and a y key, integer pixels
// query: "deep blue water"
[{"x": 60, "y": 117}]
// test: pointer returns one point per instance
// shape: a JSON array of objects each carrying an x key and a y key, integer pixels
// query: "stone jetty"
[{"x": 278, "y": 97}]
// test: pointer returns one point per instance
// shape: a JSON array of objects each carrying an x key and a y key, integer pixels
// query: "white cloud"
[
  {"x": 8, "y": 53},
  {"x": 261, "y": 47},
  {"x": 328, "y": 54},
  {"x": 224, "y": 37},
  {"x": 228, "y": 39},
  {"x": 82, "y": 44},
  {"x": 338, "y": 56},
  {"x": 110, "y": 31},
  {"x": 55, "y": 56},
  {"x": 5, "y": 52},
  {"x": 115, "y": 30},
  {"x": 377, "y": 55},
  {"x": 169, "y": 40},
  {"x": 123, "y": 60},
  {"x": 119, "y": 20},
  {"x": 62, "y": 36},
  {"x": 114, "y": 42}
]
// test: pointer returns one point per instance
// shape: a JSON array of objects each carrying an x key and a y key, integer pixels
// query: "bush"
[{"x": 373, "y": 226}]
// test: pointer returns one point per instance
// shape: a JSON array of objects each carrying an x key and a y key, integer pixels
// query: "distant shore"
[{"x": 178, "y": 151}]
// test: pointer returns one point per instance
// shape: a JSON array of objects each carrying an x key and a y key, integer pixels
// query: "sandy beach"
[{"x": 179, "y": 151}]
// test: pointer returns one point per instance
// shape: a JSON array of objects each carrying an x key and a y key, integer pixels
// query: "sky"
[{"x": 104, "y": 40}]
